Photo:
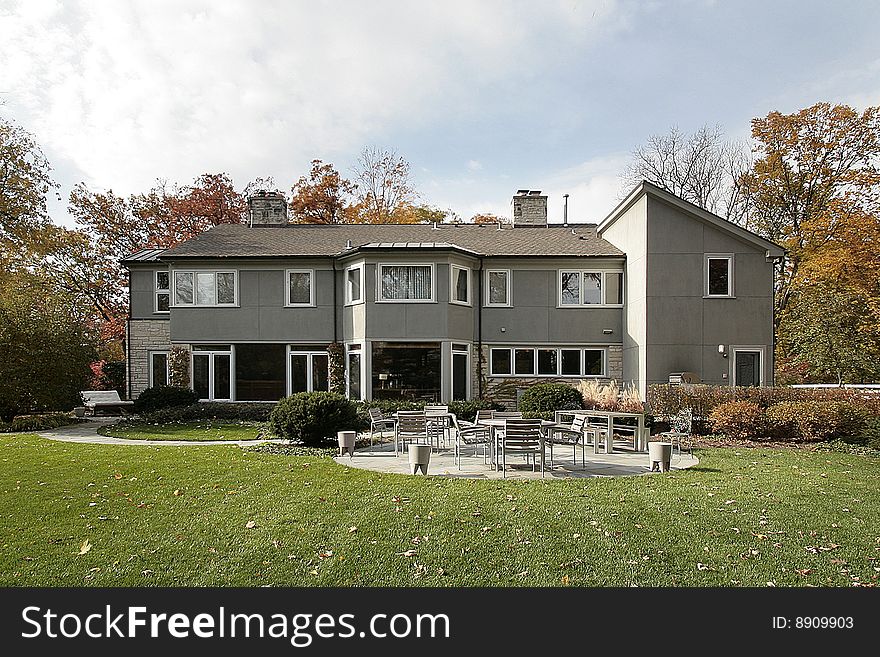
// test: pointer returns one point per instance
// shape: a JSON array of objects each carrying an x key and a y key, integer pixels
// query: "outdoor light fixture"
[
  {"x": 607, "y": 331},
  {"x": 721, "y": 351}
]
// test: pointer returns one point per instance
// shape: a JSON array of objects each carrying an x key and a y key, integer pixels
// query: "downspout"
[
  {"x": 480, "y": 330},
  {"x": 128, "y": 341},
  {"x": 335, "y": 309}
]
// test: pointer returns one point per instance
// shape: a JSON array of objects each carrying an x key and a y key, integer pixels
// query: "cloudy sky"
[{"x": 483, "y": 98}]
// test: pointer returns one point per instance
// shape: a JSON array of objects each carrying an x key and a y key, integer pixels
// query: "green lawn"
[
  {"x": 74, "y": 514},
  {"x": 193, "y": 430}
]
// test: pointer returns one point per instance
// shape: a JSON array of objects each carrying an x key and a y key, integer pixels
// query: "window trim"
[
  {"x": 287, "y": 273},
  {"x": 380, "y": 266},
  {"x": 731, "y": 287},
  {"x": 195, "y": 272},
  {"x": 558, "y": 348},
  {"x": 508, "y": 292},
  {"x": 211, "y": 354},
  {"x": 466, "y": 352},
  {"x": 360, "y": 349},
  {"x": 762, "y": 367},
  {"x": 157, "y": 291},
  {"x": 492, "y": 351},
  {"x": 167, "y": 355},
  {"x": 453, "y": 278},
  {"x": 348, "y": 300},
  {"x": 604, "y": 273},
  {"x": 310, "y": 384}
]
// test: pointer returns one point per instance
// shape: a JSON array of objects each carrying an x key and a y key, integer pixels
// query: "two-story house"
[{"x": 460, "y": 311}]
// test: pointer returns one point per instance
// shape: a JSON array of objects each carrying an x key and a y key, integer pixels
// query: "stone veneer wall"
[
  {"x": 504, "y": 389},
  {"x": 144, "y": 336}
]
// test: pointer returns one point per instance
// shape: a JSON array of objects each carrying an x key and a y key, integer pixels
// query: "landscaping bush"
[
  {"x": 37, "y": 422},
  {"x": 250, "y": 412},
  {"x": 739, "y": 419},
  {"x": 814, "y": 421},
  {"x": 467, "y": 410},
  {"x": 541, "y": 400},
  {"x": 313, "y": 417},
  {"x": 152, "y": 399}
]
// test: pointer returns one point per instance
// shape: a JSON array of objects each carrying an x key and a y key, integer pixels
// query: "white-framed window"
[
  {"x": 205, "y": 288},
  {"x": 299, "y": 287},
  {"x": 718, "y": 276},
  {"x": 159, "y": 372},
  {"x": 404, "y": 283},
  {"x": 163, "y": 292},
  {"x": 459, "y": 285},
  {"x": 211, "y": 372},
  {"x": 354, "y": 284},
  {"x": 498, "y": 287},
  {"x": 548, "y": 361},
  {"x": 308, "y": 369},
  {"x": 585, "y": 288},
  {"x": 354, "y": 370},
  {"x": 460, "y": 372}
]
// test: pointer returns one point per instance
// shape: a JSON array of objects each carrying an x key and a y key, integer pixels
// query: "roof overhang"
[{"x": 645, "y": 188}]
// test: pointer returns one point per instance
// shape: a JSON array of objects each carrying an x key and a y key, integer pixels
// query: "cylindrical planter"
[
  {"x": 79, "y": 411},
  {"x": 346, "y": 442},
  {"x": 659, "y": 456},
  {"x": 419, "y": 457}
]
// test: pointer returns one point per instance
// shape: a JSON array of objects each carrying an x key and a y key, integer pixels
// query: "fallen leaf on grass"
[
  {"x": 352, "y": 530},
  {"x": 117, "y": 476},
  {"x": 408, "y": 553},
  {"x": 250, "y": 524},
  {"x": 85, "y": 547},
  {"x": 177, "y": 493}
]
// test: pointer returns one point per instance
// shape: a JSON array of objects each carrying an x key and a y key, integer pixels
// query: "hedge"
[
  {"x": 666, "y": 400},
  {"x": 158, "y": 397},
  {"x": 39, "y": 422},
  {"x": 798, "y": 421},
  {"x": 541, "y": 400},
  {"x": 252, "y": 411}
]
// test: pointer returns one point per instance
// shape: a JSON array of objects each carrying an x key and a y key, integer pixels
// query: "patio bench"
[{"x": 99, "y": 400}]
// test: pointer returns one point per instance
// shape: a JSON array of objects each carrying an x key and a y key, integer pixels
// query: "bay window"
[
  {"x": 459, "y": 279},
  {"x": 406, "y": 283}
]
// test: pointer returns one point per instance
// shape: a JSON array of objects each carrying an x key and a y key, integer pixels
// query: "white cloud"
[
  {"x": 123, "y": 92},
  {"x": 474, "y": 165},
  {"x": 594, "y": 189}
]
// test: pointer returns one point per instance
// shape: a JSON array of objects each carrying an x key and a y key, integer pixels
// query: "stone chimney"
[
  {"x": 529, "y": 208},
  {"x": 267, "y": 209}
]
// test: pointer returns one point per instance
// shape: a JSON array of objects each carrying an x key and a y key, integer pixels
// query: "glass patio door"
[
  {"x": 459, "y": 372},
  {"x": 211, "y": 374}
]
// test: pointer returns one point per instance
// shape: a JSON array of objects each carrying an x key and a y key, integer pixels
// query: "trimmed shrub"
[
  {"x": 250, "y": 412},
  {"x": 814, "y": 421},
  {"x": 313, "y": 417},
  {"x": 541, "y": 400},
  {"x": 739, "y": 419},
  {"x": 467, "y": 410},
  {"x": 152, "y": 399},
  {"x": 38, "y": 422}
]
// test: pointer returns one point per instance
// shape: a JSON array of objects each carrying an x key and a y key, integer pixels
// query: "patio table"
[{"x": 640, "y": 443}]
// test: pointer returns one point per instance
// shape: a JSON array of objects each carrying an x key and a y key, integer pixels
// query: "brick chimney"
[
  {"x": 267, "y": 209},
  {"x": 529, "y": 208}
]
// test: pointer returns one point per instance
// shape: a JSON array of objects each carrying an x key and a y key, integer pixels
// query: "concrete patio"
[{"x": 622, "y": 463}]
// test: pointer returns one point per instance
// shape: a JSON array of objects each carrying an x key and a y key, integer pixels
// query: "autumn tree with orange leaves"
[
  {"x": 815, "y": 189},
  {"x": 322, "y": 197}
]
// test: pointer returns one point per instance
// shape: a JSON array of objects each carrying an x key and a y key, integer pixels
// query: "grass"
[
  {"x": 79, "y": 515},
  {"x": 196, "y": 430}
]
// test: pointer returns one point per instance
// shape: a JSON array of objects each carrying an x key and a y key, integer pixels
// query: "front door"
[{"x": 747, "y": 368}]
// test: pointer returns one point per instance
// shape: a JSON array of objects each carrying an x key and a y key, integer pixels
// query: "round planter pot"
[
  {"x": 419, "y": 457},
  {"x": 79, "y": 411},
  {"x": 659, "y": 456},
  {"x": 346, "y": 442}
]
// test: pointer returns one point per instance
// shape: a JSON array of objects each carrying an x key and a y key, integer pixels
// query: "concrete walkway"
[
  {"x": 87, "y": 432},
  {"x": 621, "y": 463}
]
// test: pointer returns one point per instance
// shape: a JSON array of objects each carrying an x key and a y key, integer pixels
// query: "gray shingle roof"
[{"x": 240, "y": 241}]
